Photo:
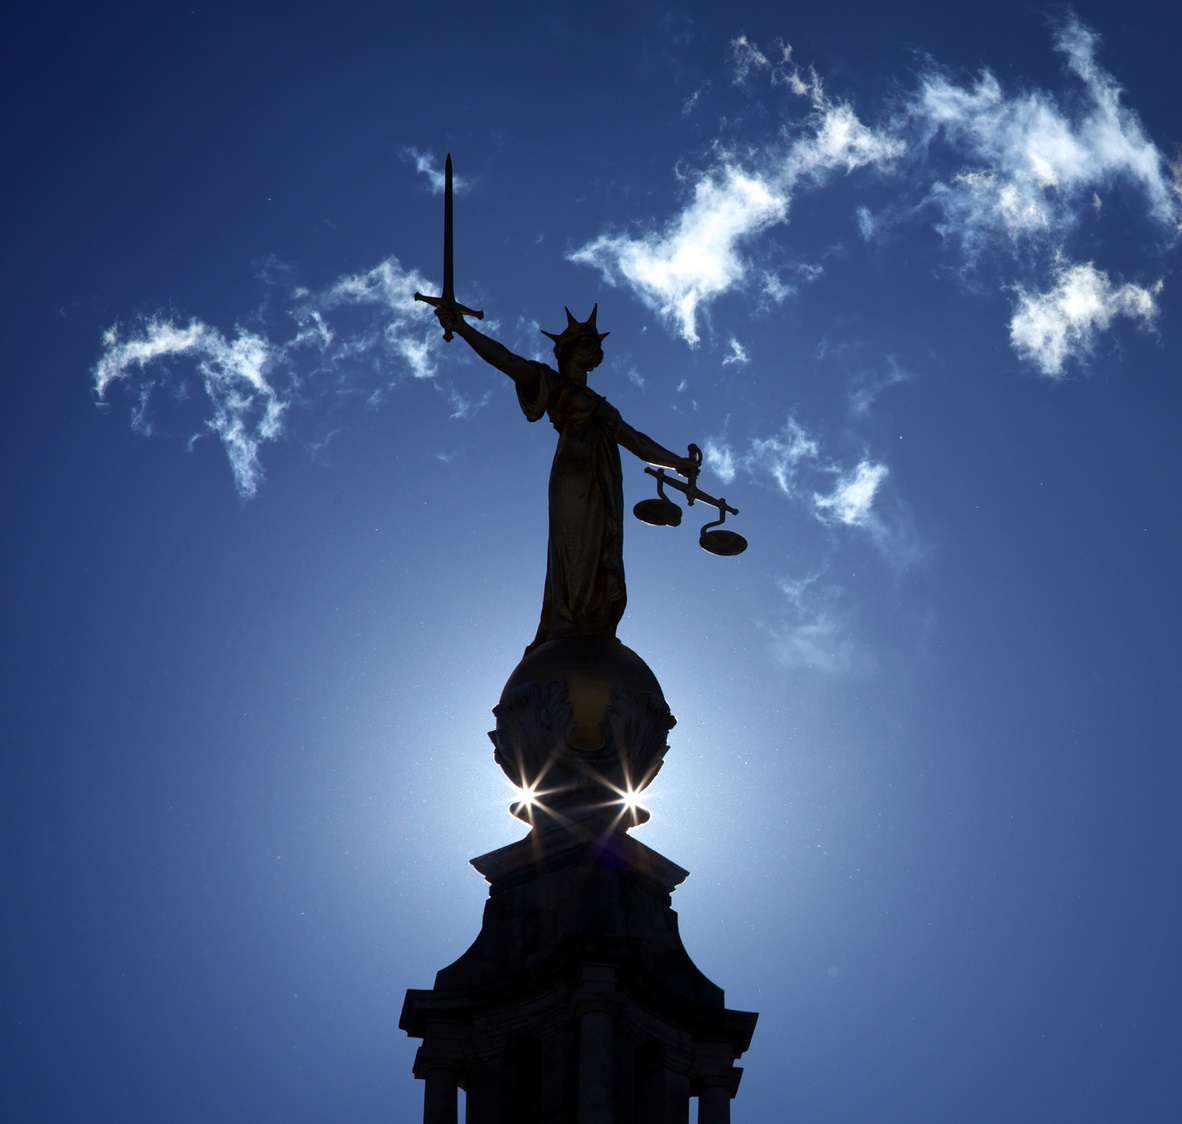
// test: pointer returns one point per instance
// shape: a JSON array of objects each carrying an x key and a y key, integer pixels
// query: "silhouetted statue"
[{"x": 585, "y": 592}]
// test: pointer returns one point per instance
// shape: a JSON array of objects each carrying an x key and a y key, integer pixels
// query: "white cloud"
[
  {"x": 852, "y": 498},
  {"x": 779, "y": 456},
  {"x": 782, "y": 454},
  {"x": 246, "y": 410},
  {"x": 867, "y": 224},
  {"x": 841, "y": 143},
  {"x": 696, "y": 258},
  {"x": 737, "y": 354},
  {"x": 773, "y": 286},
  {"x": 746, "y": 57},
  {"x": 425, "y": 165},
  {"x": 465, "y": 405},
  {"x": 357, "y": 336},
  {"x": 1010, "y": 173},
  {"x": 719, "y": 458},
  {"x": 393, "y": 325},
  {"x": 679, "y": 270},
  {"x": 792, "y": 458},
  {"x": 1031, "y": 168},
  {"x": 1049, "y": 328},
  {"x": 833, "y": 495},
  {"x": 815, "y": 633},
  {"x": 1111, "y": 134}
]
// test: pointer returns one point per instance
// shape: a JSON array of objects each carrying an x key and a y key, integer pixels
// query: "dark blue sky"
[{"x": 909, "y": 276}]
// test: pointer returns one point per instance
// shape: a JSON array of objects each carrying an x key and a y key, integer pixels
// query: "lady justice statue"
[
  {"x": 585, "y": 592},
  {"x": 581, "y": 711}
]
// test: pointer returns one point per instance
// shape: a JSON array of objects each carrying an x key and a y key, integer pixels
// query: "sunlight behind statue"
[{"x": 596, "y": 1010}]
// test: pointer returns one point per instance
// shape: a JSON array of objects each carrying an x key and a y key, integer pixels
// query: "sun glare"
[{"x": 631, "y": 800}]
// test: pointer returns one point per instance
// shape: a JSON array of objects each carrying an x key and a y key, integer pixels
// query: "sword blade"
[
  {"x": 449, "y": 291},
  {"x": 447, "y": 299}
]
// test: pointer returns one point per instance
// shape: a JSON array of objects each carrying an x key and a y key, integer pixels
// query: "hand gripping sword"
[{"x": 448, "y": 298}]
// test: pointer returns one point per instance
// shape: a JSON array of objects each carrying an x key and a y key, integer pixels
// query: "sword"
[{"x": 448, "y": 298}]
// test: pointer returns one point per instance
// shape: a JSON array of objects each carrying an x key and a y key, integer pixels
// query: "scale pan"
[
  {"x": 722, "y": 542},
  {"x": 658, "y": 512}
]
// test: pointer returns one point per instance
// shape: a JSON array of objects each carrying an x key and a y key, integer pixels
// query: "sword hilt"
[{"x": 455, "y": 306}]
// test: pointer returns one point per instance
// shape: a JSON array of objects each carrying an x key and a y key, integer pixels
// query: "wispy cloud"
[
  {"x": 465, "y": 405},
  {"x": 737, "y": 356},
  {"x": 426, "y": 166},
  {"x": 852, "y": 498},
  {"x": 1048, "y": 328},
  {"x": 246, "y": 410},
  {"x": 680, "y": 268},
  {"x": 792, "y": 458},
  {"x": 380, "y": 319},
  {"x": 841, "y": 498},
  {"x": 870, "y": 385},
  {"x": 777, "y": 66},
  {"x": 1007, "y": 177},
  {"x": 696, "y": 258},
  {"x": 815, "y": 631},
  {"x": 1032, "y": 165},
  {"x": 357, "y": 337},
  {"x": 779, "y": 456}
]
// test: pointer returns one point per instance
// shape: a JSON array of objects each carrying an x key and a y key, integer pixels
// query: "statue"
[{"x": 585, "y": 591}]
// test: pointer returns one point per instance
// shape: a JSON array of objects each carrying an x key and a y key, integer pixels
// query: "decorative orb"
[
  {"x": 592, "y": 668},
  {"x": 582, "y": 721}
]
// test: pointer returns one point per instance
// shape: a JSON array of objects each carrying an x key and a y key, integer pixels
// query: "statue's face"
[{"x": 586, "y": 353}]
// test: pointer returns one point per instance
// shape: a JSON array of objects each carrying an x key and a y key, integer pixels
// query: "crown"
[{"x": 575, "y": 328}]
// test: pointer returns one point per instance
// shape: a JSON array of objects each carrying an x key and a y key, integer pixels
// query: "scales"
[{"x": 663, "y": 512}]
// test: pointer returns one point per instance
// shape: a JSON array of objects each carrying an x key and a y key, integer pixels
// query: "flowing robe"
[{"x": 584, "y": 593}]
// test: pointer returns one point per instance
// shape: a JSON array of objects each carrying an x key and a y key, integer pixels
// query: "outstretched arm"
[
  {"x": 644, "y": 447},
  {"x": 518, "y": 369}
]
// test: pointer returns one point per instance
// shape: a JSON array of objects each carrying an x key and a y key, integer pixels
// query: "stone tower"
[{"x": 577, "y": 1002}]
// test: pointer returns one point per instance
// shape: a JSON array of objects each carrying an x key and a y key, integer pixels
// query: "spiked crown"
[{"x": 574, "y": 329}]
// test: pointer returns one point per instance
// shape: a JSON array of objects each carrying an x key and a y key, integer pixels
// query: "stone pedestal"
[{"x": 577, "y": 1002}]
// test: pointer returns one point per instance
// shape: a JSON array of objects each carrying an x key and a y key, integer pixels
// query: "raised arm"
[{"x": 497, "y": 354}]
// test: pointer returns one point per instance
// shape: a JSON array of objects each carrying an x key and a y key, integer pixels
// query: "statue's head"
[{"x": 580, "y": 341}]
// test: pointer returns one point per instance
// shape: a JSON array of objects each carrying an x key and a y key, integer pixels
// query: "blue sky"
[{"x": 908, "y": 276}]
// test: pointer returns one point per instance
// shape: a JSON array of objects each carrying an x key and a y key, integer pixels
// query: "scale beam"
[{"x": 663, "y": 512}]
